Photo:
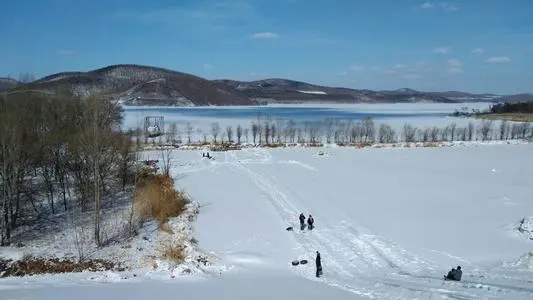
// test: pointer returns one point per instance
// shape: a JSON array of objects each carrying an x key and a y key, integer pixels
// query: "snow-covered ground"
[{"x": 390, "y": 223}]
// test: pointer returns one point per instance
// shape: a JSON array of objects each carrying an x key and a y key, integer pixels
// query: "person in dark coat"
[
  {"x": 310, "y": 222},
  {"x": 318, "y": 262},
  {"x": 455, "y": 274},
  {"x": 458, "y": 274},
  {"x": 302, "y": 221},
  {"x": 451, "y": 274}
]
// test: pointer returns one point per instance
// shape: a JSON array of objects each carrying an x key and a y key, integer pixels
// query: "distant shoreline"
[{"x": 515, "y": 117}]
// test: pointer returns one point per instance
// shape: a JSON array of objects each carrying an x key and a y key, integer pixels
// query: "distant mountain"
[
  {"x": 143, "y": 85},
  {"x": 146, "y": 85},
  {"x": 515, "y": 98},
  {"x": 282, "y": 90}
]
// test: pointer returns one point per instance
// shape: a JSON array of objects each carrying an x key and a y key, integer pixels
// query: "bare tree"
[
  {"x": 453, "y": 129},
  {"x": 239, "y": 133},
  {"x": 255, "y": 131},
  {"x": 246, "y": 133},
  {"x": 368, "y": 130},
  {"x": 273, "y": 132},
  {"x": 434, "y": 134},
  {"x": 172, "y": 132},
  {"x": 426, "y": 134},
  {"x": 291, "y": 130},
  {"x": 279, "y": 129},
  {"x": 486, "y": 127},
  {"x": 470, "y": 131},
  {"x": 215, "y": 131},
  {"x": 26, "y": 77},
  {"x": 463, "y": 134},
  {"x": 503, "y": 130},
  {"x": 189, "y": 129},
  {"x": 267, "y": 129},
  {"x": 229, "y": 133},
  {"x": 385, "y": 134},
  {"x": 409, "y": 133},
  {"x": 524, "y": 128},
  {"x": 329, "y": 129}
]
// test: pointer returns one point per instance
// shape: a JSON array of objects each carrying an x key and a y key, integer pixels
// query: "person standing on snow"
[
  {"x": 310, "y": 222},
  {"x": 302, "y": 221},
  {"x": 318, "y": 262}
]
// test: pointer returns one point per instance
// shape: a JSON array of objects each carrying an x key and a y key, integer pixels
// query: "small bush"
[
  {"x": 175, "y": 253},
  {"x": 156, "y": 198}
]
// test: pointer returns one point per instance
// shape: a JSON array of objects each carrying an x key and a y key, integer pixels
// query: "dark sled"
[
  {"x": 299, "y": 262},
  {"x": 295, "y": 262}
]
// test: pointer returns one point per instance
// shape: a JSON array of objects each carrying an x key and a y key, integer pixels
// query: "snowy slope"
[{"x": 390, "y": 222}]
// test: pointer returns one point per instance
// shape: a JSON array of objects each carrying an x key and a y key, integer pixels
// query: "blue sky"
[{"x": 476, "y": 46}]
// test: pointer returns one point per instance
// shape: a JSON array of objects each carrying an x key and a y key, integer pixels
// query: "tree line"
[
  {"x": 265, "y": 130},
  {"x": 521, "y": 107},
  {"x": 59, "y": 153}
]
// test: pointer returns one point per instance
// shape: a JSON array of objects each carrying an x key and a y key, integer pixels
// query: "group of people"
[
  {"x": 206, "y": 154},
  {"x": 310, "y": 226},
  {"x": 454, "y": 274},
  {"x": 310, "y": 222}
]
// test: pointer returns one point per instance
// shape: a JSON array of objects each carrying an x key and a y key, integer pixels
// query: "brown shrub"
[
  {"x": 156, "y": 198},
  {"x": 273, "y": 145},
  {"x": 53, "y": 265},
  {"x": 363, "y": 145},
  {"x": 431, "y": 144},
  {"x": 175, "y": 253}
]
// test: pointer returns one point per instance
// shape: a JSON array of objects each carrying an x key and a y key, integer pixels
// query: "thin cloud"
[
  {"x": 455, "y": 70},
  {"x": 208, "y": 67},
  {"x": 342, "y": 73},
  {"x": 442, "y": 50},
  {"x": 411, "y": 76},
  {"x": 66, "y": 52},
  {"x": 356, "y": 68},
  {"x": 400, "y": 66},
  {"x": 389, "y": 72},
  {"x": 265, "y": 35},
  {"x": 478, "y": 51},
  {"x": 201, "y": 16},
  {"x": 453, "y": 62},
  {"x": 498, "y": 60},
  {"x": 438, "y": 5}
]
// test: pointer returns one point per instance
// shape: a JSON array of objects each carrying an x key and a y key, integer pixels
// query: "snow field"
[{"x": 389, "y": 223}]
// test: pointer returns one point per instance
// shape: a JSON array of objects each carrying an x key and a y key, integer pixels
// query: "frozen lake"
[{"x": 396, "y": 115}]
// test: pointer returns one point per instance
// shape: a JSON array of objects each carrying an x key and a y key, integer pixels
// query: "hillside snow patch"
[{"x": 314, "y": 92}]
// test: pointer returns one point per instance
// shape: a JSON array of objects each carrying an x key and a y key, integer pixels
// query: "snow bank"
[{"x": 525, "y": 262}]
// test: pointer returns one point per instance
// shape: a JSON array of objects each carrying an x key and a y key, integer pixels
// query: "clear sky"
[{"x": 470, "y": 45}]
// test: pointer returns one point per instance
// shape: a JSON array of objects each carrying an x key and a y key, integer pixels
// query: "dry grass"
[
  {"x": 516, "y": 117},
  {"x": 273, "y": 145},
  {"x": 156, "y": 198},
  {"x": 53, "y": 266},
  {"x": 175, "y": 253},
  {"x": 363, "y": 145},
  {"x": 431, "y": 144},
  {"x": 224, "y": 147}
]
